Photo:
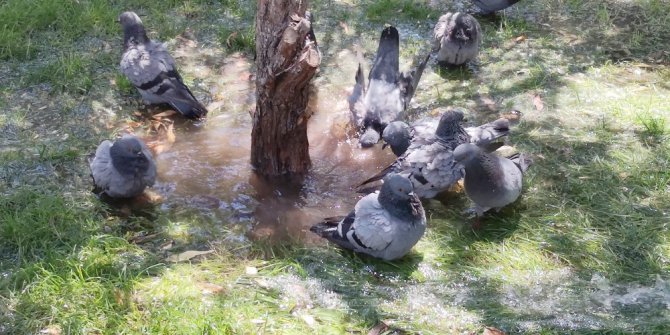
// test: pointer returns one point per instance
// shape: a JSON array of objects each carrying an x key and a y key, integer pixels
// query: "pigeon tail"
[
  {"x": 328, "y": 229},
  {"x": 190, "y": 109},
  {"x": 411, "y": 81},
  {"x": 369, "y": 138},
  {"x": 491, "y": 146},
  {"x": 355, "y": 99},
  {"x": 379, "y": 176},
  {"x": 386, "y": 65},
  {"x": 522, "y": 161},
  {"x": 491, "y": 6}
]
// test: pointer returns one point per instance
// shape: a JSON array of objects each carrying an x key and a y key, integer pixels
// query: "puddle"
[{"x": 208, "y": 166}]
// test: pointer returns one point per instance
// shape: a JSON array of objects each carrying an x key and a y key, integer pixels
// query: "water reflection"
[{"x": 208, "y": 166}]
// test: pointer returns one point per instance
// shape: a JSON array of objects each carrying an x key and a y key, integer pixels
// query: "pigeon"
[
  {"x": 385, "y": 224},
  {"x": 123, "y": 169},
  {"x": 490, "y": 6},
  {"x": 388, "y": 92},
  {"x": 399, "y": 136},
  {"x": 456, "y": 39},
  {"x": 428, "y": 162},
  {"x": 151, "y": 69},
  {"x": 491, "y": 181}
]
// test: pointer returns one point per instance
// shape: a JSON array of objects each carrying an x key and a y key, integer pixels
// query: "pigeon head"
[
  {"x": 133, "y": 29},
  {"x": 465, "y": 152},
  {"x": 397, "y": 136},
  {"x": 398, "y": 198},
  {"x": 369, "y": 138},
  {"x": 450, "y": 124},
  {"x": 127, "y": 155},
  {"x": 463, "y": 28}
]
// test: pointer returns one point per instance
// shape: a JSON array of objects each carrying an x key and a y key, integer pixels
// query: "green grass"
[
  {"x": 238, "y": 40},
  {"x": 590, "y": 231},
  {"x": 390, "y": 10},
  {"x": 69, "y": 72}
]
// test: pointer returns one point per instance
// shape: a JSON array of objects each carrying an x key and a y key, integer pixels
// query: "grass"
[
  {"x": 590, "y": 236},
  {"x": 382, "y": 11},
  {"x": 238, "y": 40}
]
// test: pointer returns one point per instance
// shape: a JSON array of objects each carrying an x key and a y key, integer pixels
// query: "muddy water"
[{"x": 208, "y": 168}]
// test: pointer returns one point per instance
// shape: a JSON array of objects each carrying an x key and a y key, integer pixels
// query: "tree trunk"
[{"x": 286, "y": 59}]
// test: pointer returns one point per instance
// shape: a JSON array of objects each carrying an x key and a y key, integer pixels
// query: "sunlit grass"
[{"x": 595, "y": 203}]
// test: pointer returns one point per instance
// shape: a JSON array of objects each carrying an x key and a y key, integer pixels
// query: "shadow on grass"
[{"x": 55, "y": 254}]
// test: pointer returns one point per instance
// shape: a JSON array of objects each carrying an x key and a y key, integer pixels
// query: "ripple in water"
[{"x": 208, "y": 167}]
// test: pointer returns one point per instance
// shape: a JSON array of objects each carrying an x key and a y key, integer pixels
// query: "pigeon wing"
[
  {"x": 101, "y": 166},
  {"x": 152, "y": 70},
  {"x": 373, "y": 226},
  {"x": 149, "y": 177}
]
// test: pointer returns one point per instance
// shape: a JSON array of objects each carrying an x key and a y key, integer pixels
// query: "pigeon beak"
[{"x": 411, "y": 194}]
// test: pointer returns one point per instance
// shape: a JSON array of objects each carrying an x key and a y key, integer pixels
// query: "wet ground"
[
  {"x": 207, "y": 167},
  {"x": 548, "y": 262}
]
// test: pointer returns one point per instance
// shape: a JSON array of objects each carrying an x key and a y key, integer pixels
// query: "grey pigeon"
[
  {"x": 385, "y": 224},
  {"x": 428, "y": 162},
  {"x": 456, "y": 39},
  {"x": 123, "y": 169},
  {"x": 151, "y": 69},
  {"x": 490, "y": 6},
  {"x": 491, "y": 181},
  {"x": 399, "y": 136},
  {"x": 387, "y": 94}
]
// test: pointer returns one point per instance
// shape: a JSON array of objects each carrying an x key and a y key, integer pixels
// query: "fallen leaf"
[
  {"x": 169, "y": 133},
  {"x": 492, "y": 331},
  {"x": 167, "y": 245},
  {"x": 133, "y": 124},
  {"x": 119, "y": 296},
  {"x": 138, "y": 114},
  {"x": 380, "y": 328},
  {"x": 230, "y": 38},
  {"x": 166, "y": 113},
  {"x": 345, "y": 27},
  {"x": 513, "y": 115},
  {"x": 215, "y": 105},
  {"x": 309, "y": 320},
  {"x": 187, "y": 255},
  {"x": 51, "y": 330},
  {"x": 250, "y": 270},
  {"x": 209, "y": 288},
  {"x": 263, "y": 283},
  {"x": 520, "y": 38},
  {"x": 488, "y": 103},
  {"x": 139, "y": 239},
  {"x": 537, "y": 102}
]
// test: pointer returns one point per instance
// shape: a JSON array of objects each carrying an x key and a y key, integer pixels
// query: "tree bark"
[{"x": 286, "y": 60}]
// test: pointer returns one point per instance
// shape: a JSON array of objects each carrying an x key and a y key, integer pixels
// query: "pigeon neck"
[
  {"x": 134, "y": 34},
  {"x": 407, "y": 210},
  {"x": 484, "y": 169},
  {"x": 126, "y": 163},
  {"x": 446, "y": 131}
]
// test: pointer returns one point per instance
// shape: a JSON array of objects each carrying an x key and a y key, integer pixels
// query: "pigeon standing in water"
[
  {"x": 491, "y": 6},
  {"x": 428, "y": 162},
  {"x": 456, "y": 38},
  {"x": 123, "y": 169},
  {"x": 151, "y": 69},
  {"x": 384, "y": 224},
  {"x": 399, "y": 136},
  {"x": 491, "y": 181},
  {"x": 387, "y": 94}
]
